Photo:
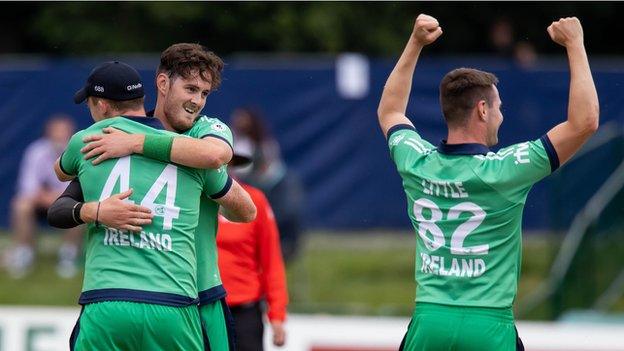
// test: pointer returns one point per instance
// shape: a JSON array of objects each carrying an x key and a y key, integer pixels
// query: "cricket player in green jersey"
[
  {"x": 186, "y": 75},
  {"x": 465, "y": 202},
  {"x": 151, "y": 275},
  {"x": 181, "y": 96}
]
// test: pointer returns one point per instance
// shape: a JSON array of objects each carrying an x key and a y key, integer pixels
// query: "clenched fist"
[
  {"x": 566, "y": 31},
  {"x": 426, "y": 29}
]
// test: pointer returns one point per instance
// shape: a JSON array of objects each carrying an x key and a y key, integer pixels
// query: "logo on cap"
[{"x": 134, "y": 86}]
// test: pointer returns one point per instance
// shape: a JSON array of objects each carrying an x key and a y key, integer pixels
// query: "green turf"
[{"x": 42, "y": 286}]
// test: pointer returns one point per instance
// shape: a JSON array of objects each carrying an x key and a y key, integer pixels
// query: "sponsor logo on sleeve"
[
  {"x": 219, "y": 127},
  {"x": 396, "y": 140},
  {"x": 522, "y": 153}
]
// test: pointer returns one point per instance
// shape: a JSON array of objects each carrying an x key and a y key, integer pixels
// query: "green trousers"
[
  {"x": 130, "y": 326},
  {"x": 218, "y": 326},
  {"x": 440, "y": 328}
]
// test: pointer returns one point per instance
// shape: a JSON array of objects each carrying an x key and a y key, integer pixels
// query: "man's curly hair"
[{"x": 186, "y": 59}]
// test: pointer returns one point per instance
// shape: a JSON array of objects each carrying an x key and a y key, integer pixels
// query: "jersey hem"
[
  {"x": 211, "y": 295},
  {"x": 505, "y": 313},
  {"x": 468, "y": 305},
  {"x": 132, "y": 295}
]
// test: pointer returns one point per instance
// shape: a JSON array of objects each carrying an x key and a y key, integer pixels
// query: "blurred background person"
[
  {"x": 502, "y": 37},
  {"x": 525, "y": 55},
  {"x": 252, "y": 269},
  {"x": 37, "y": 188},
  {"x": 269, "y": 173}
]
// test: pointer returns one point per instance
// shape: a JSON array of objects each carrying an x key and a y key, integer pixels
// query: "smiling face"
[
  {"x": 186, "y": 74},
  {"x": 184, "y": 98}
]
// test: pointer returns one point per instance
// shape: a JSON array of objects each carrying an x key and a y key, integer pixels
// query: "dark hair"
[
  {"x": 183, "y": 59},
  {"x": 461, "y": 89}
]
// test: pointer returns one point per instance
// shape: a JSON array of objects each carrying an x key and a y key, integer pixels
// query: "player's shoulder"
[
  {"x": 79, "y": 135},
  {"x": 204, "y": 125},
  {"x": 409, "y": 139},
  {"x": 214, "y": 122},
  {"x": 517, "y": 152},
  {"x": 98, "y": 126},
  {"x": 134, "y": 125}
]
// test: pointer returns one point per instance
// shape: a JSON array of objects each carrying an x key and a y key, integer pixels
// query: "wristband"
[
  {"x": 76, "y": 213},
  {"x": 158, "y": 147}
]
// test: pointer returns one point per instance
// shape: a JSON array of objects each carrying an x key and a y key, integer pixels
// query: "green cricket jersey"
[
  {"x": 208, "y": 278},
  {"x": 466, "y": 204},
  {"x": 157, "y": 265}
]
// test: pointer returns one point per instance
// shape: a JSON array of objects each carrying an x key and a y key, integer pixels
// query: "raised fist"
[
  {"x": 426, "y": 29},
  {"x": 566, "y": 31}
]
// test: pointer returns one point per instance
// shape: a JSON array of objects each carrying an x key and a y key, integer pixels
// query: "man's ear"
[
  {"x": 162, "y": 83},
  {"x": 482, "y": 109},
  {"x": 103, "y": 106}
]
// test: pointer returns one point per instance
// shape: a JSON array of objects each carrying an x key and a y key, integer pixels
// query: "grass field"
[{"x": 368, "y": 273}]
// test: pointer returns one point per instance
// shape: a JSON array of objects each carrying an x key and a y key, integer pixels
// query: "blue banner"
[{"x": 333, "y": 142}]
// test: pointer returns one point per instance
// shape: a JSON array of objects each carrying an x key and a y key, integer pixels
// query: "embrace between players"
[{"x": 147, "y": 263}]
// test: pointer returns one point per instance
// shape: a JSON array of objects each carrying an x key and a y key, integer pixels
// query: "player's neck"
[
  {"x": 462, "y": 136},
  {"x": 139, "y": 112}
]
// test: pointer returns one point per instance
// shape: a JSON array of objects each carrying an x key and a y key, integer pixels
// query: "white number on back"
[
  {"x": 168, "y": 178},
  {"x": 459, "y": 235},
  {"x": 429, "y": 225},
  {"x": 121, "y": 173}
]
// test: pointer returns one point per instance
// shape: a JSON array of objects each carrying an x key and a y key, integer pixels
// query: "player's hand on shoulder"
[
  {"x": 566, "y": 31},
  {"x": 116, "y": 213},
  {"x": 426, "y": 29},
  {"x": 112, "y": 143}
]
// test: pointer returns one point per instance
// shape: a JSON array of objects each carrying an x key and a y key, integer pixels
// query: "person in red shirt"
[{"x": 252, "y": 271}]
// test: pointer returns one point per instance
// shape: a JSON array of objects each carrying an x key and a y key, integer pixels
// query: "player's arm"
[
  {"x": 396, "y": 93},
  {"x": 236, "y": 204},
  {"x": 60, "y": 174},
  {"x": 70, "y": 210},
  {"x": 583, "y": 108},
  {"x": 68, "y": 164},
  {"x": 205, "y": 153}
]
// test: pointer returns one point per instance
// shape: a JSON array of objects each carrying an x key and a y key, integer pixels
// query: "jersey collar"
[
  {"x": 148, "y": 121},
  {"x": 462, "y": 149}
]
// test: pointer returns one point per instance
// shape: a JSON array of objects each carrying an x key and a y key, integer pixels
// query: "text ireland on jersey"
[{"x": 142, "y": 240}]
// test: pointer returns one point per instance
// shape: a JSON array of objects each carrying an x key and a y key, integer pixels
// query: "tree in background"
[{"x": 86, "y": 28}]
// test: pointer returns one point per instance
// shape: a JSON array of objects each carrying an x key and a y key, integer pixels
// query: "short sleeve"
[
  {"x": 72, "y": 157},
  {"x": 406, "y": 145},
  {"x": 521, "y": 165},
  {"x": 217, "y": 182},
  {"x": 211, "y": 127}
]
